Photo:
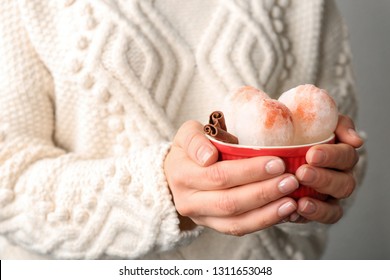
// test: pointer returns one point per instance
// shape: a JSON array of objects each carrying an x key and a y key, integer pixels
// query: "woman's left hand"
[{"x": 329, "y": 171}]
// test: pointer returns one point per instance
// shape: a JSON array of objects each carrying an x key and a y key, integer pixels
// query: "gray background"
[{"x": 364, "y": 232}]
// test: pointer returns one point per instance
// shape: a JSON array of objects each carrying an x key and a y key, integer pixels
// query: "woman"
[{"x": 92, "y": 94}]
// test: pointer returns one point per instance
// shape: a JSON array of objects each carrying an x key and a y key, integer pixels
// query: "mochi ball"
[
  {"x": 314, "y": 113},
  {"x": 258, "y": 120}
]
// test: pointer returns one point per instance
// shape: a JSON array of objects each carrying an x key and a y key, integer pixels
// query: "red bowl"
[{"x": 293, "y": 157}]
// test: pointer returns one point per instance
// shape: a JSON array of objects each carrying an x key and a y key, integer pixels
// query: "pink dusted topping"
[
  {"x": 304, "y": 109},
  {"x": 277, "y": 114},
  {"x": 247, "y": 93},
  {"x": 314, "y": 112}
]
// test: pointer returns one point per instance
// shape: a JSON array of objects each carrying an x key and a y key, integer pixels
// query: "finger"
[
  {"x": 335, "y": 183},
  {"x": 238, "y": 200},
  {"x": 231, "y": 173},
  {"x": 297, "y": 219},
  {"x": 337, "y": 156},
  {"x": 251, "y": 221},
  {"x": 324, "y": 212},
  {"x": 191, "y": 139},
  {"x": 222, "y": 174},
  {"x": 346, "y": 133}
]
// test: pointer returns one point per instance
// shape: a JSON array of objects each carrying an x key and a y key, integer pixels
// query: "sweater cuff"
[{"x": 170, "y": 236}]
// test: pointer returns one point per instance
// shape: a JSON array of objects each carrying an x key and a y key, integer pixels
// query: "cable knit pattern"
[{"x": 92, "y": 92}]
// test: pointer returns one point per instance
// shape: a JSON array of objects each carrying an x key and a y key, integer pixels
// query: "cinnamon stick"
[
  {"x": 220, "y": 134},
  {"x": 218, "y": 119}
]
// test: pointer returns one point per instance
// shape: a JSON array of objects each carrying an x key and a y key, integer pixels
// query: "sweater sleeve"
[{"x": 61, "y": 203}]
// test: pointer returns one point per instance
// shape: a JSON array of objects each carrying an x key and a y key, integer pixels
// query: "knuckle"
[
  {"x": 177, "y": 180},
  {"x": 347, "y": 159},
  {"x": 184, "y": 209},
  {"x": 327, "y": 179},
  {"x": 338, "y": 214},
  {"x": 188, "y": 134},
  {"x": 191, "y": 141},
  {"x": 264, "y": 222},
  {"x": 351, "y": 157},
  {"x": 323, "y": 182},
  {"x": 217, "y": 175},
  {"x": 355, "y": 157},
  {"x": 263, "y": 195},
  {"x": 234, "y": 229},
  {"x": 329, "y": 215},
  {"x": 227, "y": 205},
  {"x": 349, "y": 186},
  {"x": 190, "y": 129}
]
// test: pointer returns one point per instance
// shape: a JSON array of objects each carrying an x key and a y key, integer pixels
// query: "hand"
[
  {"x": 234, "y": 197},
  {"x": 329, "y": 171}
]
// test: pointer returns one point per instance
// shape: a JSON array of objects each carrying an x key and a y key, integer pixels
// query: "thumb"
[
  {"x": 191, "y": 138},
  {"x": 346, "y": 132}
]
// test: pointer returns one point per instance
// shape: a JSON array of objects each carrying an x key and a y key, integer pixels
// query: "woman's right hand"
[{"x": 235, "y": 197}]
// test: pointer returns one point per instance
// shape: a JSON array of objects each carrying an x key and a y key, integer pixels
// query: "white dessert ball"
[
  {"x": 314, "y": 113},
  {"x": 258, "y": 120}
]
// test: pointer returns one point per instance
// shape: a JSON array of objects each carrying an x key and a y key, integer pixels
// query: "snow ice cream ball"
[
  {"x": 314, "y": 113},
  {"x": 261, "y": 121},
  {"x": 236, "y": 100}
]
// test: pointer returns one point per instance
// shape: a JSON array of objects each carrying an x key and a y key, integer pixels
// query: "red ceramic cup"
[{"x": 293, "y": 157}]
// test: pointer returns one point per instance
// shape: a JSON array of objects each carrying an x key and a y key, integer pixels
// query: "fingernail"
[
  {"x": 204, "y": 153},
  {"x": 275, "y": 166},
  {"x": 318, "y": 157},
  {"x": 309, "y": 207},
  {"x": 306, "y": 175},
  {"x": 286, "y": 209},
  {"x": 288, "y": 184}
]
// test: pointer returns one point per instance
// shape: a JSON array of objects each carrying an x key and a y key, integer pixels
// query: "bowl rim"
[{"x": 325, "y": 141}]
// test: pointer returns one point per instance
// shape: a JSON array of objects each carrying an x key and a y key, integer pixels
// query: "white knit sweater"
[{"x": 92, "y": 91}]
